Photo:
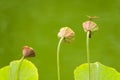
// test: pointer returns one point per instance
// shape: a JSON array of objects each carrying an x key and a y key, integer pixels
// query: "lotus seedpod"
[
  {"x": 66, "y": 33},
  {"x": 28, "y": 51}
]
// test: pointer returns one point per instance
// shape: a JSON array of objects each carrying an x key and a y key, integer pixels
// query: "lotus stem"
[
  {"x": 88, "y": 52},
  {"x": 58, "y": 56}
]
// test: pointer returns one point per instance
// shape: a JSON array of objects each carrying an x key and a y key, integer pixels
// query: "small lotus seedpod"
[
  {"x": 28, "y": 51},
  {"x": 90, "y": 26},
  {"x": 66, "y": 33}
]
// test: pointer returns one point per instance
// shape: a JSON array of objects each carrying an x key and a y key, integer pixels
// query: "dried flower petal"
[
  {"x": 28, "y": 51},
  {"x": 90, "y": 26},
  {"x": 67, "y": 33}
]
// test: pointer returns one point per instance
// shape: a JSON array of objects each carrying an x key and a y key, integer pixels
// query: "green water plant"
[
  {"x": 89, "y": 26},
  {"x": 98, "y": 72},
  {"x": 93, "y": 71},
  {"x": 22, "y": 69},
  {"x": 65, "y": 34}
]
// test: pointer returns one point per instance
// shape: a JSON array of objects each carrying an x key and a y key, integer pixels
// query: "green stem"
[
  {"x": 18, "y": 74},
  {"x": 88, "y": 53},
  {"x": 58, "y": 53}
]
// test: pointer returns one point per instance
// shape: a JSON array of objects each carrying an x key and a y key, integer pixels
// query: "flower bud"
[
  {"x": 90, "y": 26},
  {"x": 28, "y": 51},
  {"x": 67, "y": 33}
]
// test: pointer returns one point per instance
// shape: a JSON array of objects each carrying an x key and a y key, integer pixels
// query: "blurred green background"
[{"x": 36, "y": 23}]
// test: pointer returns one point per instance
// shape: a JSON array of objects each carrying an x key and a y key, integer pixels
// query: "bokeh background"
[{"x": 36, "y": 23}]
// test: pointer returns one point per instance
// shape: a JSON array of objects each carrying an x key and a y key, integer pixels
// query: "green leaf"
[
  {"x": 27, "y": 71},
  {"x": 98, "y": 72},
  {"x": 4, "y": 73}
]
